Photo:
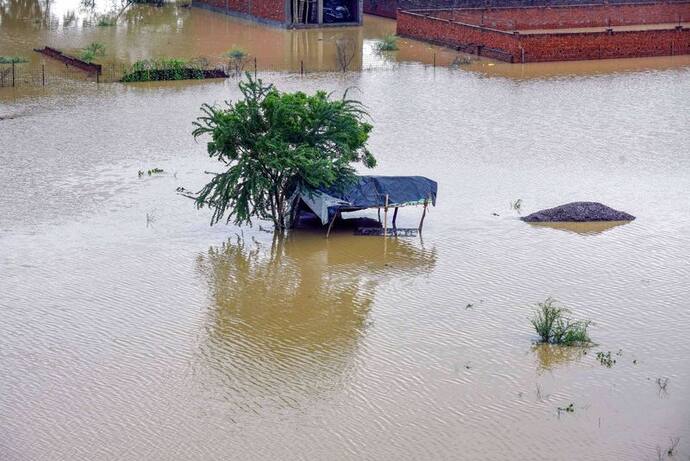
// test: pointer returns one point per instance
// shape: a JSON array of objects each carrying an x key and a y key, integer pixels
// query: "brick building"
[{"x": 290, "y": 13}]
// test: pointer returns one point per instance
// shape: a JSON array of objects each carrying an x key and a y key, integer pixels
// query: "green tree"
[{"x": 273, "y": 143}]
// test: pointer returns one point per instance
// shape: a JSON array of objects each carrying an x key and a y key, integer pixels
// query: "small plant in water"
[
  {"x": 387, "y": 43},
  {"x": 237, "y": 60},
  {"x": 554, "y": 327},
  {"x": 106, "y": 21},
  {"x": 674, "y": 443},
  {"x": 13, "y": 59},
  {"x": 605, "y": 359},
  {"x": 92, "y": 51},
  {"x": 569, "y": 409},
  {"x": 460, "y": 61},
  {"x": 516, "y": 205}
]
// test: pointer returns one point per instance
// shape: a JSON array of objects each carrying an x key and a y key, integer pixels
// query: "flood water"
[{"x": 131, "y": 329}]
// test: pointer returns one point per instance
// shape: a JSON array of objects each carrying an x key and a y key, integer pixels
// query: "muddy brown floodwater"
[{"x": 132, "y": 330}]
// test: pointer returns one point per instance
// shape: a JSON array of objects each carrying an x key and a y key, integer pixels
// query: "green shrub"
[
  {"x": 13, "y": 59},
  {"x": 148, "y": 70},
  {"x": 554, "y": 327},
  {"x": 90, "y": 53},
  {"x": 387, "y": 43},
  {"x": 106, "y": 21}
]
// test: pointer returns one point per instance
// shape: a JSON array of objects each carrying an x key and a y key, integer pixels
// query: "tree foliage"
[{"x": 273, "y": 143}]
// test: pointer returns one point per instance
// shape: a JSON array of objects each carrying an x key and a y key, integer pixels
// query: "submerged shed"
[{"x": 371, "y": 192}]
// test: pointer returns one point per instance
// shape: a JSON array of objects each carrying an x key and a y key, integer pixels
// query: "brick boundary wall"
[
  {"x": 269, "y": 12},
  {"x": 385, "y": 8},
  {"x": 558, "y": 17},
  {"x": 556, "y": 46}
]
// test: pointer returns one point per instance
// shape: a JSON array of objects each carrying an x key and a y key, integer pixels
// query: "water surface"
[{"x": 133, "y": 330}]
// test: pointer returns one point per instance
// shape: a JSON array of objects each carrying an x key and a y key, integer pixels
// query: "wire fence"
[{"x": 33, "y": 74}]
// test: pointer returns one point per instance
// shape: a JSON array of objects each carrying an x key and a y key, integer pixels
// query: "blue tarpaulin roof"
[{"x": 371, "y": 192}]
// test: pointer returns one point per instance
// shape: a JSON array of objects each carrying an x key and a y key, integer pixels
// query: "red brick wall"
[
  {"x": 386, "y": 8},
  {"x": 452, "y": 33},
  {"x": 628, "y": 44},
  {"x": 273, "y": 10},
  {"x": 557, "y": 17},
  {"x": 269, "y": 9},
  {"x": 544, "y": 47}
]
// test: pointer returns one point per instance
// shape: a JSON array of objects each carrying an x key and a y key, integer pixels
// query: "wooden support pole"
[
  {"x": 421, "y": 222},
  {"x": 395, "y": 216},
  {"x": 12, "y": 73},
  {"x": 330, "y": 226},
  {"x": 385, "y": 217}
]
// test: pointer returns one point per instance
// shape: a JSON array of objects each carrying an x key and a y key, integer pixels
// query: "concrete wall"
[{"x": 514, "y": 47}]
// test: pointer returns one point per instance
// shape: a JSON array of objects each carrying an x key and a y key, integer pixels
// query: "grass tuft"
[
  {"x": 553, "y": 325},
  {"x": 13, "y": 59},
  {"x": 387, "y": 43}
]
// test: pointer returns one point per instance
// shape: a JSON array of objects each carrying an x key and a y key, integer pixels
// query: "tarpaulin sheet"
[{"x": 370, "y": 192}]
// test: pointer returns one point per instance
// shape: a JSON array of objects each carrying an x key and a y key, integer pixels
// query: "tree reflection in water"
[
  {"x": 286, "y": 320},
  {"x": 550, "y": 356}
]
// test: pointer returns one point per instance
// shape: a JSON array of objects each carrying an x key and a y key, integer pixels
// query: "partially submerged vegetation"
[
  {"x": 274, "y": 143},
  {"x": 552, "y": 324},
  {"x": 106, "y": 21},
  {"x": 237, "y": 59},
  {"x": 13, "y": 59},
  {"x": 387, "y": 43},
  {"x": 93, "y": 50},
  {"x": 148, "y": 70}
]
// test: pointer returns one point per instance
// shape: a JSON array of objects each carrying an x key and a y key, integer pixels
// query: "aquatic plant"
[
  {"x": 106, "y": 21},
  {"x": 273, "y": 143},
  {"x": 237, "y": 59},
  {"x": 93, "y": 50},
  {"x": 460, "y": 60},
  {"x": 387, "y": 43},
  {"x": 150, "y": 172},
  {"x": 605, "y": 359},
  {"x": 569, "y": 409},
  {"x": 345, "y": 49},
  {"x": 554, "y": 327},
  {"x": 674, "y": 444},
  {"x": 516, "y": 205},
  {"x": 147, "y": 70},
  {"x": 13, "y": 59}
]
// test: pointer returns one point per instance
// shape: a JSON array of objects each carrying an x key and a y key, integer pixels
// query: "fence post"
[
  {"x": 254, "y": 66},
  {"x": 43, "y": 74},
  {"x": 12, "y": 73},
  {"x": 434, "y": 60},
  {"x": 301, "y": 67}
]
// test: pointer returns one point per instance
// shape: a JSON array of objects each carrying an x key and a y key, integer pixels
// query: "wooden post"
[
  {"x": 395, "y": 216},
  {"x": 385, "y": 217},
  {"x": 330, "y": 226},
  {"x": 421, "y": 222},
  {"x": 434, "y": 60},
  {"x": 301, "y": 67},
  {"x": 12, "y": 73},
  {"x": 254, "y": 66},
  {"x": 43, "y": 74}
]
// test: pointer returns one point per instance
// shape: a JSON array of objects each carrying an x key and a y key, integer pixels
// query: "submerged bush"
[
  {"x": 13, "y": 59},
  {"x": 148, "y": 70},
  {"x": 106, "y": 21},
  {"x": 90, "y": 53},
  {"x": 554, "y": 327},
  {"x": 237, "y": 58},
  {"x": 387, "y": 43}
]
